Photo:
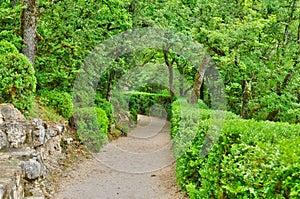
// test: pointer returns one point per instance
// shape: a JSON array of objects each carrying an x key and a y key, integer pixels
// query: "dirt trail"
[{"x": 139, "y": 166}]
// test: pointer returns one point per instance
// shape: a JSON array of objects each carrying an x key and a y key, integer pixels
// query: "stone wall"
[{"x": 28, "y": 151}]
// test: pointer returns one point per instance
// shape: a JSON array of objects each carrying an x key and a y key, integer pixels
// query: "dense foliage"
[
  {"x": 17, "y": 78},
  {"x": 61, "y": 102},
  {"x": 7, "y": 47},
  {"x": 106, "y": 106},
  {"x": 251, "y": 159},
  {"x": 70, "y": 31},
  {"x": 9, "y": 23},
  {"x": 255, "y": 46},
  {"x": 92, "y": 126},
  {"x": 158, "y": 105}
]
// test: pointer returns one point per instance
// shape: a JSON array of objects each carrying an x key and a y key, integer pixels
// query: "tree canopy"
[{"x": 254, "y": 44}]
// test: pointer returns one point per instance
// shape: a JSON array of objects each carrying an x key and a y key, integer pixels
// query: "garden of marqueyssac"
[{"x": 254, "y": 46}]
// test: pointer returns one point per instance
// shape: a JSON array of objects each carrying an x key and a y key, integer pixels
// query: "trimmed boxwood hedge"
[
  {"x": 92, "y": 127},
  {"x": 106, "y": 106},
  {"x": 59, "y": 101},
  {"x": 17, "y": 78},
  {"x": 141, "y": 103},
  {"x": 7, "y": 47},
  {"x": 251, "y": 159}
]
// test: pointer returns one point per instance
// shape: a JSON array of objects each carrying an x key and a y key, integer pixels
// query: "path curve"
[{"x": 139, "y": 166}]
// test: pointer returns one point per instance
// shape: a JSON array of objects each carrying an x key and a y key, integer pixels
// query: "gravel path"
[{"x": 139, "y": 166}]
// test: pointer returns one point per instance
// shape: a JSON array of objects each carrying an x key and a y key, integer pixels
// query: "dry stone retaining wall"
[{"x": 28, "y": 151}]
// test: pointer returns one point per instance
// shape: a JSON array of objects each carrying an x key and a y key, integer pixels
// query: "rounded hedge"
[
  {"x": 106, "y": 106},
  {"x": 17, "y": 80},
  {"x": 251, "y": 159},
  {"x": 61, "y": 102},
  {"x": 142, "y": 103},
  {"x": 7, "y": 47},
  {"x": 92, "y": 127}
]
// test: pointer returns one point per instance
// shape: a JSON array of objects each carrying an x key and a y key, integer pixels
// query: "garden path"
[{"x": 139, "y": 166}]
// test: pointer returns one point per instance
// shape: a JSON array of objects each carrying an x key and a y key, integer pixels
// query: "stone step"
[
  {"x": 12, "y": 173},
  {"x": 11, "y": 185},
  {"x": 18, "y": 154}
]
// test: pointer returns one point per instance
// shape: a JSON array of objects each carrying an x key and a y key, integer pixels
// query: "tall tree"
[
  {"x": 28, "y": 28},
  {"x": 195, "y": 94},
  {"x": 170, "y": 69}
]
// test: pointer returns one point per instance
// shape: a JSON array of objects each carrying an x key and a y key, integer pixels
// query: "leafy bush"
[
  {"x": 202, "y": 104},
  {"x": 141, "y": 103},
  {"x": 152, "y": 88},
  {"x": 106, "y": 106},
  {"x": 61, "y": 102},
  {"x": 71, "y": 35},
  {"x": 10, "y": 24},
  {"x": 7, "y": 47},
  {"x": 17, "y": 79},
  {"x": 92, "y": 127},
  {"x": 192, "y": 113},
  {"x": 251, "y": 159}
]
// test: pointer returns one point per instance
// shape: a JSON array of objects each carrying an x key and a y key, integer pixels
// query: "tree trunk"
[
  {"x": 287, "y": 78},
  {"x": 28, "y": 28},
  {"x": 171, "y": 84},
  {"x": 202, "y": 91},
  {"x": 171, "y": 73},
  {"x": 272, "y": 115},
  {"x": 199, "y": 80},
  {"x": 110, "y": 85},
  {"x": 181, "y": 85},
  {"x": 286, "y": 31},
  {"x": 187, "y": 90},
  {"x": 246, "y": 87},
  {"x": 181, "y": 91}
]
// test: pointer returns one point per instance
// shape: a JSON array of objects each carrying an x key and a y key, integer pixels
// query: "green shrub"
[
  {"x": 92, "y": 127},
  {"x": 10, "y": 24},
  {"x": 7, "y": 47},
  {"x": 192, "y": 113},
  {"x": 142, "y": 103},
  {"x": 61, "y": 102},
  {"x": 106, "y": 106},
  {"x": 251, "y": 159},
  {"x": 152, "y": 88},
  {"x": 202, "y": 105},
  {"x": 17, "y": 80}
]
